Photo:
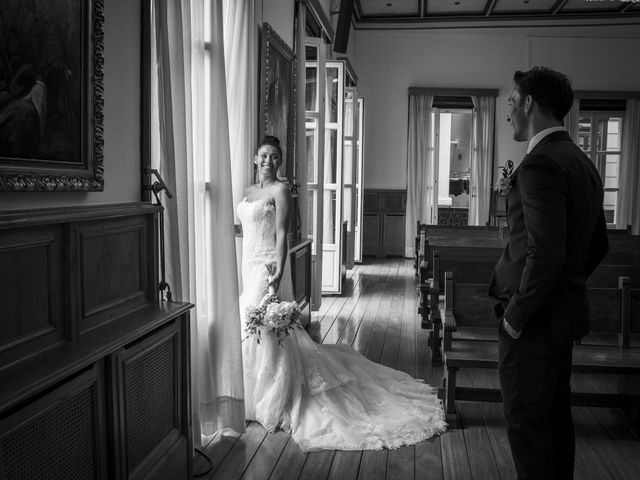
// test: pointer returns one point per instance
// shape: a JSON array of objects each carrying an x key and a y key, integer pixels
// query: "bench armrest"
[
  {"x": 448, "y": 320},
  {"x": 450, "y": 326}
]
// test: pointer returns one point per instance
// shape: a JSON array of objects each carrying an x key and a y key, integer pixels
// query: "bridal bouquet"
[{"x": 272, "y": 315}]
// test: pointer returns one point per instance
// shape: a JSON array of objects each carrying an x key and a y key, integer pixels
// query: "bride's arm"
[{"x": 283, "y": 211}]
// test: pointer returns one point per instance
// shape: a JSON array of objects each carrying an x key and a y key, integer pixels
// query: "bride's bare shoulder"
[{"x": 282, "y": 191}]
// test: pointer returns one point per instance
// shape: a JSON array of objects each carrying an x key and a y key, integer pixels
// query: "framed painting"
[
  {"x": 51, "y": 95},
  {"x": 278, "y": 97}
]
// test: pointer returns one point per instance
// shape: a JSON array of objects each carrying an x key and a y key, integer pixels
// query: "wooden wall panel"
[
  {"x": 31, "y": 294},
  {"x": 112, "y": 270}
]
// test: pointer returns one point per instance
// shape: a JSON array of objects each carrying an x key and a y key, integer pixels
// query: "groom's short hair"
[{"x": 550, "y": 89}]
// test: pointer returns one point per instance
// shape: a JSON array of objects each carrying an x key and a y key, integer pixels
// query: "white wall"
[
  {"x": 121, "y": 118},
  {"x": 280, "y": 15},
  {"x": 388, "y": 63}
]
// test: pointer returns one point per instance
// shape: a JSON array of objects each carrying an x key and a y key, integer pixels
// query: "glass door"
[
  {"x": 359, "y": 176},
  {"x": 332, "y": 229},
  {"x": 350, "y": 169},
  {"x": 314, "y": 98},
  {"x": 453, "y": 145}
]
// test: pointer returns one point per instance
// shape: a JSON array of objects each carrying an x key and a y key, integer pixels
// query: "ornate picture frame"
[
  {"x": 51, "y": 96},
  {"x": 278, "y": 97}
]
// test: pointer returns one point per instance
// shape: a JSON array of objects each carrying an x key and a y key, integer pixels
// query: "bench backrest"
[
  {"x": 469, "y": 302},
  {"x": 634, "y": 308},
  {"x": 468, "y": 264},
  {"x": 468, "y": 231},
  {"x": 466, "y": 286}
]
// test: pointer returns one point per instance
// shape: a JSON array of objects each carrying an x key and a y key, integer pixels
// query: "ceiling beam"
[
  {"x": 488, "y": 9},
  {"x": 626, "y": 7},
  {"x": 558, "y": 6}
]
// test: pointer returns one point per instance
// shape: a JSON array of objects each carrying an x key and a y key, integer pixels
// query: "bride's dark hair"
[{"x": 272, "y": 141}]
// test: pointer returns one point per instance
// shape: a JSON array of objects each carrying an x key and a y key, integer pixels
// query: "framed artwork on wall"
[
  {"x": 278, "y": 97},
  {"x": 51, "y": 95}
]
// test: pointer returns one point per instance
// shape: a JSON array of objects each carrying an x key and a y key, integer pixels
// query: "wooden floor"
[{"x": 378, "y": 316}]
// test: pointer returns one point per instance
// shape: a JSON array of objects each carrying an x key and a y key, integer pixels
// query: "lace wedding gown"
[{"x": 329, "y": 396}]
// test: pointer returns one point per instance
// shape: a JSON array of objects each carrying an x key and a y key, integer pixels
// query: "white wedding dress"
[{"x": 329, "y": 396}]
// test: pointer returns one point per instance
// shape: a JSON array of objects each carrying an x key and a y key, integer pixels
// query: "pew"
[
  {"x": 465, "y": 250},
  {"x": 452, "y": 235},
  {"x": 467, "y": 311},
  {"x": 473, "y": 267},
  {"x": 586, "y": 359},
  {"x": 429, "y": 307},
  {"x": 419, "y": 248}
]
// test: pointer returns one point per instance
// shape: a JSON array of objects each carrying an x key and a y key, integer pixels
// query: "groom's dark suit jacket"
[{"x": 557, "y": 237}]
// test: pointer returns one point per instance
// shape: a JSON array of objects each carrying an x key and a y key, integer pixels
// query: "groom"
[{"x": 557, "y": 237}]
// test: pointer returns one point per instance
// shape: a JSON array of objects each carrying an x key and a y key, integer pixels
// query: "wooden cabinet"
[
  {"x": 94, "y": 370},
  {"x": 300, "y": 265},
  {"x": 384, "y": 223}
]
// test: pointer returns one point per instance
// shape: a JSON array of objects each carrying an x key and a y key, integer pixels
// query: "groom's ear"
[{"x": 528, "y": 104}]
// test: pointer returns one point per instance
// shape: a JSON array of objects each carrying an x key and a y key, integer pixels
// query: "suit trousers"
[{"x": 535, "y": 382}]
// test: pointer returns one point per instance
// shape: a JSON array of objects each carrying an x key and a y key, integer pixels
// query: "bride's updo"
[{"x": 273, "y": 142}]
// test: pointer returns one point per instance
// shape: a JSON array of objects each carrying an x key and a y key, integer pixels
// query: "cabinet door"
[
  {"x": 371, "y": 235},
  {"x": 59, "y": 435},
  {"x": 393, "y": 235},
  {"x": 152, "y": 404}
]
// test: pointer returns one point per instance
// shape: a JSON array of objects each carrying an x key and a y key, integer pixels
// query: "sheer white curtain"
[
  {"x": 628, "y": 199},
  {"x": 571, "y": 119},
  {"x": 482, "y": 160},
  {"x": 241, "y": 57},
  {"x": 194, "y": 152},
  {"x": 221, "y": 389},
  {"x": 171, "y": 142},
  {"x": 420, "y": 181}
]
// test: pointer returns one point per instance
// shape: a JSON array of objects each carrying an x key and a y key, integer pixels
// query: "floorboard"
[{"x": 377, "y": 315}]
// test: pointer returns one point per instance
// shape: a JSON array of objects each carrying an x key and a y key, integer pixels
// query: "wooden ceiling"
[{"x": 423, "y": 13}]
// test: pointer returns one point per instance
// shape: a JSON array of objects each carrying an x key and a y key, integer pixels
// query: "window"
[{"x": 600, "y": 137}]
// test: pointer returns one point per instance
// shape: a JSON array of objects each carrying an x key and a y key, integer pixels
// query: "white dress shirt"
[{"x": 541, "y": 134}]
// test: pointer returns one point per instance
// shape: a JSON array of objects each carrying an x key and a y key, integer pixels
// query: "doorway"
[{"x": 454, "y": 148}]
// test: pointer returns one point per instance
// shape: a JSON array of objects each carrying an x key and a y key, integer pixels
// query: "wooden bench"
[
  {"x": 429, "y": 309},
  {"x": 586, "y": 359},
  {"x": 419, "y": 248},
  {"x": 468, "y": 314},
  {"x": 451, "y": 235},
  {"x": 482, "y": 251},
  {"x": 474, "y": 266}
]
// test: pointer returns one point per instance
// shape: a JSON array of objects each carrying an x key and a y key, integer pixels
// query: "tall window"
[{"x": 600, "y": 137}]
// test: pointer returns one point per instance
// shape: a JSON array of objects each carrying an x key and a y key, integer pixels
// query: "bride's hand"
[{"x": 274, "y": 283}]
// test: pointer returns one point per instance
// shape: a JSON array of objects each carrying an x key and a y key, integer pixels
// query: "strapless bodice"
[{"x": 258, "y": 226}]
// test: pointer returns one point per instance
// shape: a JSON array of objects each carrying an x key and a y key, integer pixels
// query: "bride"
[{"x": 329, "y": 396}]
